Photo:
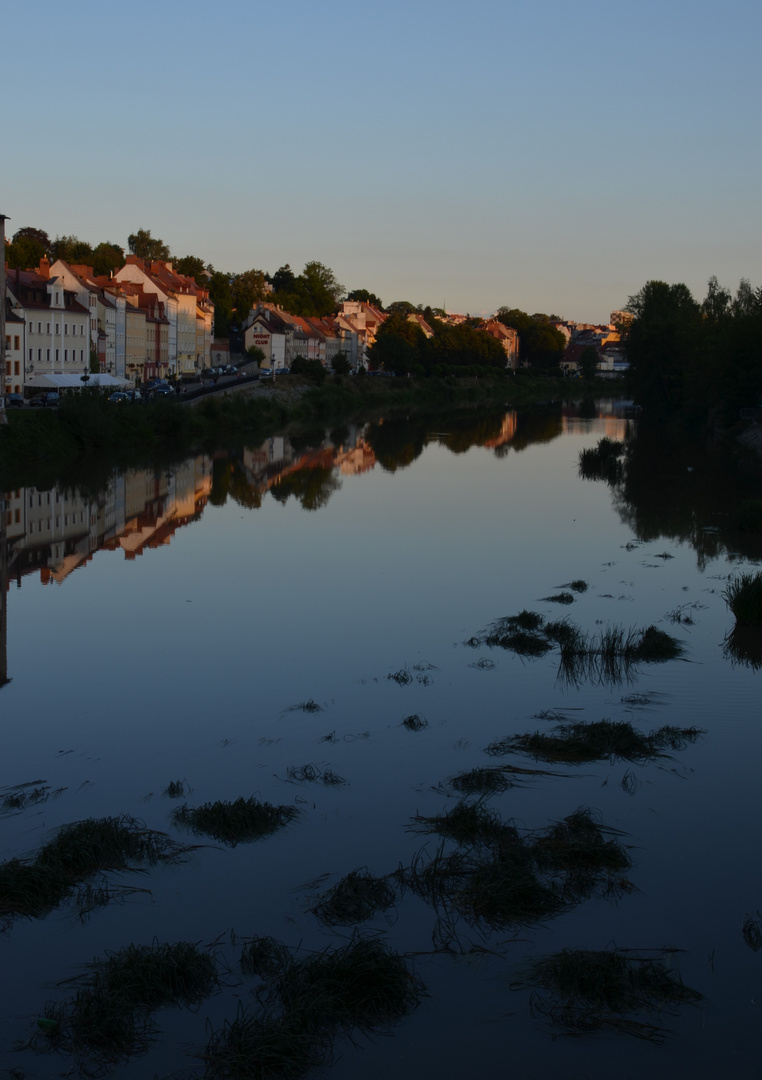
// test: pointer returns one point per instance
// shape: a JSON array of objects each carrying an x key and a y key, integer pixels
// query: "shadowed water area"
[{"x": 427, "y": 726}]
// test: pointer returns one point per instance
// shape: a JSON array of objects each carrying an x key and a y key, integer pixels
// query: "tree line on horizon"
[
  {"x": 695, "y": 357},
  {"x": 401, "y": 345}
]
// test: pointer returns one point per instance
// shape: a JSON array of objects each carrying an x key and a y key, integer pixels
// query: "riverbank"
[{"x": 87, "y": 437}]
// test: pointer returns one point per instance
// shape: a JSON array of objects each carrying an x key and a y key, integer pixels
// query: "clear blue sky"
[{"x": 547, "y": 155}]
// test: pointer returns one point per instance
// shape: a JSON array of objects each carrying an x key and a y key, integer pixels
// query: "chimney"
[{"x": 44, "y": 270}]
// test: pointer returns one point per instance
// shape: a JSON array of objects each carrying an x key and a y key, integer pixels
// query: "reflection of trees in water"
[
  {"x": 540, "y": 425},
  {"x": 397, "y": 443},
  {"x": 682, "y": 488},
  {"x": 311, "y": 486}
]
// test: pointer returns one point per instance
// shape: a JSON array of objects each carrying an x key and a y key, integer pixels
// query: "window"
[
  {"x": 66, "y": 328},
  {"x": 48, "y": 329},
  {"x": 81, "y": 356},
  {"x": 58, "y": 329},
  {"x": 58, "y": 353},
  {"x": 16, "y": 342},
  {"x": 39, "y": 356},
  {"x": 16, "y": 368},
  {"x": 66, "y": 355},
  {"x": 17, "y": 516},
  {"x": 39, "y": 327},
  {"x": 31, "y": 355},
  {"x": 81, "y": 329}
]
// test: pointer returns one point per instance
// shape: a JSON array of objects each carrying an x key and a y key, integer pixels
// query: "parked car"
[
  {"x": 119, "y": 398},
  {"x": 265, "y": 373},
  {"x": 47, "y": 398},
  {"x": 14, "y": 401},
  {"x": 133, "y": 395}
]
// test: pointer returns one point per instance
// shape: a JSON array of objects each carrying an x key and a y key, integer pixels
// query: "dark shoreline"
[{"x": 87, "y": 438}]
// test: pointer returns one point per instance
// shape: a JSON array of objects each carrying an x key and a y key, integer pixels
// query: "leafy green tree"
[
  {"x": 540, "y": 343},
  {"x": 341, "y": 364},
  {"x": 247, "y": 288},
  {"x": 365, "y": 297},
  {"x": 106, "y": 258},
  {"x": 661, "y": 345},
  {"x": 588, "y": 362},
  {"x": 24, "y": 252},
  {"x": 72, "y": 250},
  {"x": 312, "y": 370},
  {"x": 402, "y": 307},
  {"x": 221, "y": 295},
  {"x": 192, "y": 266},
  {"x": 31, "y": 233},
  {"x": 147, "y": 247},
  {"x": 283, "y": 280}
]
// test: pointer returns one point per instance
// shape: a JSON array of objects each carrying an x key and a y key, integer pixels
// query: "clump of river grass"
[
  {"x": 583, "y": 991},
  {"x": 401, "y": 677},
  {"x": 743, "y": 646},
  {"x": 175, "y": 789},
  {"x": 109, "y": 1018},
  {"x": 355, "y": 898},
  {"x": 499, "y": 878},
  {"x": 743, "y": 596},
  {"x": 752, "y": 932},
  {"x": 34, "y": 887},
  {"x": 238, "y": 822},
  {"x": 598, "y": 740},
  {"x": 602, "y": 462},
  {"x": 611, "y": 655},
  {"x": 415, "y": 722},
  {"x": 21, "y": 796},
  {"x": 263, "y": 956},
  {"x": 309, "y": 706},
  {"x": 560, "y": 598},
  {"x": 306, "y": 1003},
  {"x": 312, "y": 774}
]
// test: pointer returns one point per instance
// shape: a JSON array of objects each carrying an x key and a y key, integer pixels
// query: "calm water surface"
[{"x": 164, "y": 630}]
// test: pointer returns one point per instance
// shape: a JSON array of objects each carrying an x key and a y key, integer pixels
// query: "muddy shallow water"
[{"x": 171, "y": 628}]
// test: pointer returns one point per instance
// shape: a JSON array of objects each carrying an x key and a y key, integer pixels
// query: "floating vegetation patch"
[
  {"x": 608, "y": 656},
  {"x": 579, "y": 585},
  {"x": 560, "y": 598},
  {"x": 484, "y": 664},
  {"x": 312, "y": 774},
  {"x": 602, "y": 462},
  {"x": 309, "y": 706},
  {"x": 743, "y": 596},
  {"x": 681, "y": 616},
  {"x": 504, "y": 879},
  {"x": 306, "y": 1004},
  {"x": 401, "y": 677},
  {"x": 32, "y": 888},
  {"x": 21, "y": 796},
  {"x": 583, "y": 991},
  {"x": 424, "y": 665},
  {"x": 415, "y": 722},
  {"x": 357, "y": 897},
  {"x": 236, "y": 822},
  {"x": 468, "y": 823},
  {"x": 263, "y": 956},
  {"x": 597, "y": 740},
  {"x": 481, "y": 781},
  {"x": 330, "y": 737},
  {"x": 175, "y": 789},
  {"x": 109, "y": 1019},
  {"x": 752, "y": 931}
]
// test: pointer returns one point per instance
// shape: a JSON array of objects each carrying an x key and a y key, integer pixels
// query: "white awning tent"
[{"x": 74, "y": 382}]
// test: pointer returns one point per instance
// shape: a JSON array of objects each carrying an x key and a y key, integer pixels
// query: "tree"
[
  {"x": 283, "y": 279},
  {"x": 312, "y": 370},
  {"x": 39, "y": 235},
  {"x": 106, "y": 258},
  {"x": 221, "y": 295},
  {"x": 341, "y": 364},
  {"x": 661, "y": 344},
  {"x": 24, "y": 252},
  {"x": 147, "y": 247},
  {"x": 588, "y": 362},
  {"x": 192, "y": 266},
  {"x": 365, "y": 297},
  {"x": 540, "y": 343},
  {"x": 246, "y": 289},
  {"x": 72, "y": 250}
]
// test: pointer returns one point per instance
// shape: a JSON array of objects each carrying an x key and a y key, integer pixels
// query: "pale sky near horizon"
[{"x": 550, "y": 156}]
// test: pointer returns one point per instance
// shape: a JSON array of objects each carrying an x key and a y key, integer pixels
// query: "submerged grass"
[
  {"x": 415, "y": 722},
  {"x": 109, "y": 1019},
  {"x": 357, "y": 897},
  {"x": 499, "y": 878},
  {"x": 583, "y": 991},
  {"x": 602, "y": 461},
  {"x": 743, "y": 596},
  {"x": 263, "y": 956},
  {"x": 236, "y": 822},
  {"x": 595, "y": 741},
  {"x": 306, "y": 1004},
  {"x": 752, "y": 932},
  {"x": 560, "y": 598},
  {"x": 78, "y": 851}
]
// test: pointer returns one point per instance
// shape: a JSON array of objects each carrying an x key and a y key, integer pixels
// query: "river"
[{"x": 232, "y": 625}]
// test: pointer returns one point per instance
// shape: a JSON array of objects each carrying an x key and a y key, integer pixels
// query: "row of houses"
[
  {"x": 605, "y": 338},
  {"x": 143, "y": 321},
  {"x": 352, "y": 331}
]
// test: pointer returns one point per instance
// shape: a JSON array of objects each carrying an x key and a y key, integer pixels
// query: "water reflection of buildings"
[{"x": 51, "y": 533}]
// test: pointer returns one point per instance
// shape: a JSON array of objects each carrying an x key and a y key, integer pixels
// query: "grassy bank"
[{"x": 87, "y": 437}]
